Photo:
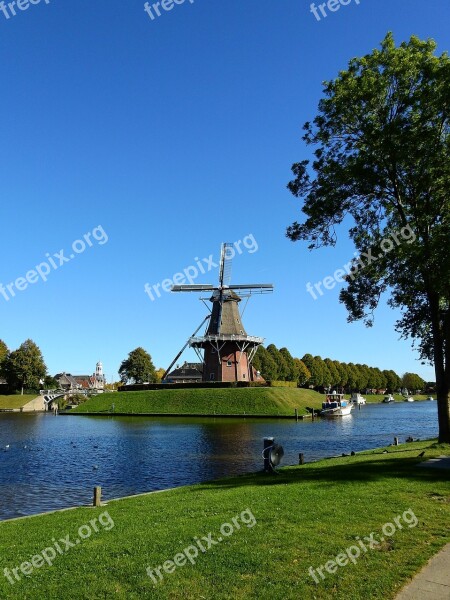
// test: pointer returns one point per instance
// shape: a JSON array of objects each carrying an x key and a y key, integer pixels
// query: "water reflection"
[{"x": 54, "y": 462}]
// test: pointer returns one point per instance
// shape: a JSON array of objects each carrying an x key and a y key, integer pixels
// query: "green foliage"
[
  {"x": 412, "y": 381},
  {"x": 382, "y": 158},
  {"x": 302, "y": 371},
  {"x": 50, "y": 383},
  {"x": 138, "y": 367},
  {"x": 24, "y": 367},
  {"x": 3, "y": 351}
]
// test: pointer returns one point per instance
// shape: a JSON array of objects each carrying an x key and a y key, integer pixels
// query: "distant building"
[
  {"x": 96, "y": 381},
  {"x": 187, "y": 373}
]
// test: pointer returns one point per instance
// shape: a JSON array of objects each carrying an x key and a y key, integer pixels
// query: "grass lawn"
[
  {"x": 15, "y": 401},
  {"x": 251, "y": 401},
  {"x": 303, "y": 517}
]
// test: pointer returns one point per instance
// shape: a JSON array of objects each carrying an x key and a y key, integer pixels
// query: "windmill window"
[
  {"x": 211, "y": 376},
  {"x": 229, "y": 363}
]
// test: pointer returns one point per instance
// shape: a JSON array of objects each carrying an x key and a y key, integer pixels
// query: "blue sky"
[{"x": 166, "y": 137}]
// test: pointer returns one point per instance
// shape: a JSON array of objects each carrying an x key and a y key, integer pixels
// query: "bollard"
[
  {"x": 313, "y": 415},
  {"x": 301, "y": 459},
  {"x": 97, "y": 495},
  {"x": 359, "y": 406},
  {"x": 296, "y": 414},
  {"x": 396, "y": 441},
  {"x": 268, "y": 443}
]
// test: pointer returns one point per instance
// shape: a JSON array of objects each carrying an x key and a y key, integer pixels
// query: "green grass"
[
  {"x": 10, "y": 402},
  {"x": 230, "y": 401},
  {"x": 305, "y": 516}
]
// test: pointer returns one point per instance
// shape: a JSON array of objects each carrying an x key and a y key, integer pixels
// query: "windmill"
[{"x": 225, "y": 349}]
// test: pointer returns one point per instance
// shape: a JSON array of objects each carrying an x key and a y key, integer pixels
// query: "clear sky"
[{"x": 161, "y": 138}]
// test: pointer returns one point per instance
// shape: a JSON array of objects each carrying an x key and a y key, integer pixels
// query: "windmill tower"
[{"x": 226, "y": 350}]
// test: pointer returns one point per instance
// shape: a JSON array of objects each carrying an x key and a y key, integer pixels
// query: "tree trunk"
[{"x": 441, "y": 343}]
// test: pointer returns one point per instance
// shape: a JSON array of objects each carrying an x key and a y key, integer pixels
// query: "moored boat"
[
  {"x": 389, "y": 398},
  {"x": 336, "y": 406},
  {"x": 357, "y": 399}
]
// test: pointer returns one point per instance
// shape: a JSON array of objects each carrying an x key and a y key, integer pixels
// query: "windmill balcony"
[{"x": 225, "y": 337}]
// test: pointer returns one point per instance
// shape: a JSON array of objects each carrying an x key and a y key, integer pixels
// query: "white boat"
[
  {"x": 430, "y": 399},
  {"x": 388, "y": 399},
  {"x": 409, "y": 399},
  {"x": 357, "y": 399},
  {"x": 336, "y": 406}
]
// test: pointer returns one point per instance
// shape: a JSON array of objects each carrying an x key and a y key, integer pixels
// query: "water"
[{"x": 54, "y": 462}]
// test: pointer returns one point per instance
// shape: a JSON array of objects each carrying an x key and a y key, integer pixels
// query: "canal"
[{"x": 49, "y": 462}]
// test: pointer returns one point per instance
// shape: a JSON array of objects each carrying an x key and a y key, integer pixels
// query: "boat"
[
  {"x": 388, "y": 399},
  {"x": 430, "y": 399},
  {"x": 357, "y": 399},
  {"x": 409, "y": 399},
  {"x": 335, "y": 406}
]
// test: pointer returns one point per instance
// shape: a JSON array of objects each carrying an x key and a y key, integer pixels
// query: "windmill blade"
[
  {"x": 227, "y": 263},
  {"x": 193, "y": 288},
  {"x": 267, "y": 287},
  {"x": 224, "y": 278}
]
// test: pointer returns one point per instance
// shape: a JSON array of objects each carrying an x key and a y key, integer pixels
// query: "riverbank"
[
  {"x": 267, "y": 402},
  {"x": 283, "y": 525}
]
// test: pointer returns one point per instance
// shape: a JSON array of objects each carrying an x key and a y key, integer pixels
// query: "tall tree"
[
  {"x": 3, "y": 351},
  {"x": 335, "y": 377},
  {"x": 303, "y": 373},
  {"x": 412, "y": 382},
  {"x": 315, "y": 368},
  {"x": 382, "y": 158},
  {"x": 24, "y": 367},
  {"x": 138, "y": 367},
  {"x": 291, "y": 374}
]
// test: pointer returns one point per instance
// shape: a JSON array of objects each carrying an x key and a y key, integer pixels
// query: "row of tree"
[
  {"x": 280, "y": 365},
  {"x": 25, "y": 368}
]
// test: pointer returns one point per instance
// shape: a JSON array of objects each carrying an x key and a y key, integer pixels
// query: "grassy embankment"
[
  {"x": 224, "y": 401},
  {"x": 305, "y": 516},
  {"x": 11, "y": 402}
]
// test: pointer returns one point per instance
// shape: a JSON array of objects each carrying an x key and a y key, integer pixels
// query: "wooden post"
[
  {"x": 301, "y": 459},
  {"x": 268, "y": 442},
  {"x": 97, "y": 495},
  {"x": 396, "y": 441},
  {"x": 313, "y": 415},
  {"x": 359, "y": 406},
  {"x": 296, "y": 414}
]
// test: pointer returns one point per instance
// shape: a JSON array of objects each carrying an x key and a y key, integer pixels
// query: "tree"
[
  {"x": 412, "y": 381},
  {"x": 341, "y": 368},
  {"x": 159, "y": 375},
  {"x": 282, "y": 368},
  {"x": 50, "y": 383},
  {"x": 315, "y": 367},
  {"x": 382, "y": 158},
  {"x": 393, "y": 381},
  {"x": 335, "y": 377},
  {"x": 3, "y": 351},
  {"x": 303, "y": 373},
  {"x": 25, "y": 367},
  {"x": 291, "y": 374},
  {"x": 265, "y": 364},
  {"x": 138, "y": 367}
]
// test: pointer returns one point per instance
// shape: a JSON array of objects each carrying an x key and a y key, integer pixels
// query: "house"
[
  {"x": 96, "y": 381},
  {"x": 187, "y": 373}
]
